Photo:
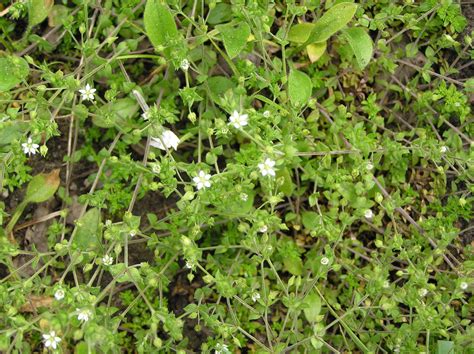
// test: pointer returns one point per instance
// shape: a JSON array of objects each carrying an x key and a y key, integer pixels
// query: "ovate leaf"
[
  {"x": 294, "y": 265},
  {"x": 12, "y": 71},
  {"x": 361, "y": 45},
  {"x": 115, "y": 113},
  {"x": 234, "y": 37},
  {"x": 312, "y": 308},
  {"x": 299, "y": 87},
  {"x": 445, "y": 347},
  {"x": 332, "y": 21},
  {"x": 315, "y": 51},
  {"x": 42, "y": 187},
  {"x": 159, "y": 23},
  {"x": 87, "y": 236},
  {"x": 38, "y": 10},
  {"x": 310, "y": 220}
]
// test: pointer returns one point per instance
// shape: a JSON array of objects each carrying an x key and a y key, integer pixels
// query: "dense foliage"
[{"x": 236, "y": 176}]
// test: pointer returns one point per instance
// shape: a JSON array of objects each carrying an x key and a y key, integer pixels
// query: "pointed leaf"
[
  {"x": 42, "y": 187},
  {"x": 332, "y": 21},
  {"x": 361, "y": 45},
  {"x": 234, "y": 37},
  {"x": 299, "y": 87},
  {"x": 300, "y": 32},
  {"x": 38, "y": 10},
  {"x": 159, "y": 23},
  {"x": 87, "y": 236}
]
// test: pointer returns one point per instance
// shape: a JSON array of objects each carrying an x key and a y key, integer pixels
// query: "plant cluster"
[{"x": 236, "y": 176}]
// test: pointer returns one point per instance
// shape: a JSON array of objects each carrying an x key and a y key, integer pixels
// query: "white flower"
[
  {"x": 167, "y": 140},
  {"x": 244, "y": 196},
  {"x": 386, "y": 284},
  {"x": 83, "y": 315},
  {"x": 238, "y": 120},
  {"x": 255, "y": 296},
  {"x": 107, "y": 260},
  {"x": 266, "y": 114},
  {"x": 189, "y": 265},
  {"x": 369, "y": 166},
  {"x": 29, "y": 147},
  {"x": 184, "y": 64},
  {"x": 422, "y": 292},
  {"x": 221, "y": 349},
  {"x": 59, "y": 294},
  {"x": 263, "y": 229},
  {"x": 266, "y": 168},
  {"x": 51, "y": 340},
  {"x": 202, "y": 180},
  {"x": 325, "y": 261},
  {"x": 443, "y": 149},
  {"x": 87, "y": 93},
  {"x": 146, "y": 115},
  {"x": 133, "y": 233},
  {"x": 368, "y": 214},
  {"x": 464, "y": 285}
]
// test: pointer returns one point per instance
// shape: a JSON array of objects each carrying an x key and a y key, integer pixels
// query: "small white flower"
[
  {"x": 107, "y": 260},
  {"x": 386, "y": 284},
  {"x": 59, "y": 294},
  {"x": 146, "y": 115},
  {"x": 84, "y": 314},
  {"x": 238, "y": 120},
  {"x": 369, "y": 166},
  {"x": 464, "y": 285},
  {"x": 87, "y": 93},
  {"x": 133, "y": 233},
  {"x": 263, "y": 229},
  {"x": 167, "y": 140},
  {"x": 266, "y": 114},
  {"x": 443, "y": 149},
  {"x": 244, "y": 197},
  {"x": 325, "y": 261},
  {"x": 51, "y": 340},
  {"x": 422, "y": 292},
  {"x": 29, "y": 147},
  {"x": 184, "y": 64},
  {"x": 189, "y": 265},
  {"x": 202, "y": 180},
  {"x": 457, "y": 104},
  {"x": 368, "y": 214},
  {"x": 255, "y": 296},
  {"x": 222, "y": 349},
  {"x": 266, "y": 168}
]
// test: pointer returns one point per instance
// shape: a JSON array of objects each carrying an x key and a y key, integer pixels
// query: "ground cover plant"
[{"x": 236, "y": 176}]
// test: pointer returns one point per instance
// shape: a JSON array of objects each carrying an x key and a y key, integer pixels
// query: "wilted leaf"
[
  {"x": 87, "y": 235},
  {"x": 316, "y": 50},
  {"x": 299, "y": 88},
  {"x": 34, "y": 302},
  {"x": 42, "y": 187},
  {"x": 234, "y": 37},
  {"x": 361, "y": 45},
  {"x": 12, "y": 71}
]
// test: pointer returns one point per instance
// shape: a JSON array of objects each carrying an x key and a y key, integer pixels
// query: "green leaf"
[
  {"x": 311, "y": 220},
  {"x": 122, "y": 274},
  {"x": 445, "y": 347},
  {"x": 294, "y": 265},
  {"x": 300, "y": 32},
  {"x": 312, "y": 309},
  {"x": 42, "y": 187},
  {"x": 361, "y": 44},
  {"x": 115, "y": 113},
  {"x": 234, "y": 37},
  {"x": 38, "y": 10},
  {"x": 299, "y": 87},
  {"x": 316, "y": 50},
  {"x": 11, "y": 131},
  {"x": 12, "y": 71},
  {"x": 159, "y": 23},
  {"x": 332, "y": 21},
  {"x": 220, "y": 14},
  {"x": 287, "y": 187},
  {"x": 87, "y": 235}
]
